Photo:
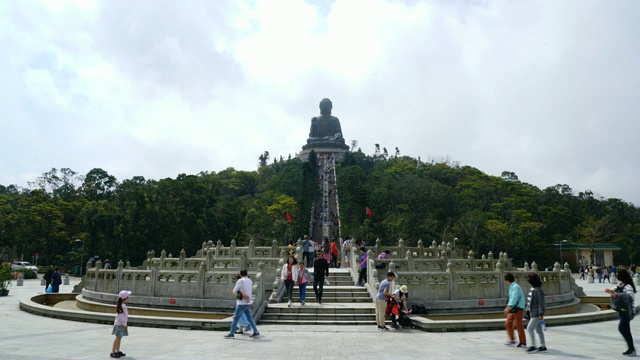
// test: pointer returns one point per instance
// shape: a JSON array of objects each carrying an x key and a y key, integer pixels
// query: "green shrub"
[{"x": 30, "y": 274}]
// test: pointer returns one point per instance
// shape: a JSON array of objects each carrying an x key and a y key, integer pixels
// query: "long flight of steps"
[{"x": 342, "y": 304}]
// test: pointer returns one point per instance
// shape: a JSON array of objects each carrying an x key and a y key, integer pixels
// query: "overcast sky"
[{"x": 547, "y": 90}]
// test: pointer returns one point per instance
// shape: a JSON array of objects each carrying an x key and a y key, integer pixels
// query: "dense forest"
[{"x": 409, "y": 199}]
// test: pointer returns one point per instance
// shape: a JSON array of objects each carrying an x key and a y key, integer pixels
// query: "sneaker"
[
  {"x": 379, "y": 328},
  {"x": 114, "y": 355},
  {"x": 630, "y": 352},
  {"x": 510, "y": 343},
  {"x": 121, "y": 354},
  {"x": 320, "y": 301},
  {"x": 521, "y": 345},
  {"x": 255, "y": 334},
  {"x": 289, "y": 303},
  {"x": 303, "y": 302},
  {"x": 385, "y": 328},
  {"x": 542, "y": 349},
  {"x": 229, "y": 336},
  {"x": 532, "y": 349},
  {"x": 239, "y": 331}
]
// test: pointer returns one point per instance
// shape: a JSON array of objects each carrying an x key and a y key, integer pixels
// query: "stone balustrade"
[
  {"x": 462, "y": 285},
  {"x": 199, "y": 289}
]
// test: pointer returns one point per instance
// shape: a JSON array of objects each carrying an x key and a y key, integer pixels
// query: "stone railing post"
[
  {"x": 451, "y": 275},
  {"x": 526, "y": 267},
  {"x": 409, "y": 258},
  {"x": 378, "y": 246},
  {"x": 89, "y": 265},
  {"x": 274, "y": 248},
  {"x": 243, "y": 260},
  {"x": 299, "y": 253},
  {"x": 119, "y": 272},
  {"x": 534, "y": 267},
  {"x": 128, "y": 265},
  {"x": 209, "y": 258},
  {"x": 232, "y": 249},
  {"x": 183, "y": 255},
  {"x": 202, "y": 279},
  {"x": 154, "y": 277},
  {"x": 499, "y": 269},
  {"x": 261, "y": 289},
  {"x": 401, "y": 248},
  {"x": 492, "y": 264},
  {"x": 420, "y": 250},
  {"x": 471, "y": 260},
  {"x": 163, "y": 255},
  {"x": 251, "y": 249},
  {"x": 218, "y": 249}
]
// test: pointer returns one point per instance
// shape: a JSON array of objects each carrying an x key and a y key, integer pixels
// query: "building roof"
[{"x": 585, "y": 246}]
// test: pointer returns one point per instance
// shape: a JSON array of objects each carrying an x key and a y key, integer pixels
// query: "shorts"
[{"x": 119, "y": 330}]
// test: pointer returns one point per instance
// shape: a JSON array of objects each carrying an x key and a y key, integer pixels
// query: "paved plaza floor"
[{"x": 27, "y": 336}]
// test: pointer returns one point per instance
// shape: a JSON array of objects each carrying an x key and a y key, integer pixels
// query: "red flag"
[
  {"x": 369, "y": 213},
  {"x": 289, "y": 219}
]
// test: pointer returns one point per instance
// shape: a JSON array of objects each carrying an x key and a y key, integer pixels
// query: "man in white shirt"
[{"x": 242, "y": 291}]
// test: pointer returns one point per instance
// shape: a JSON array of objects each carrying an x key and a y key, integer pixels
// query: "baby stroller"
[{"x": 403, "y": 320}]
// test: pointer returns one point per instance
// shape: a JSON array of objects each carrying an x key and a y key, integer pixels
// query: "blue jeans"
[
  {"x": 303, "y": 292},
  {"x": 240, "y": 310}
]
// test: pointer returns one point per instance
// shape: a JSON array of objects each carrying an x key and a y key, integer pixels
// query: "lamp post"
[
  {"x": 561, "y": 242},
  {"x": 81, "y": 256}
]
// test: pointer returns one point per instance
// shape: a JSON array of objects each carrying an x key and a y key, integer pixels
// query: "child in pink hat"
[{"x": 120, "y": 328}]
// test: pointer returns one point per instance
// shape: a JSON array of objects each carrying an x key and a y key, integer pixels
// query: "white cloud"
[{"x": 544, "y": 89}]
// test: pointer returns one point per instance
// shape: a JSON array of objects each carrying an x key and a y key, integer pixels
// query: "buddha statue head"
[{"x": 325, "y": 106}]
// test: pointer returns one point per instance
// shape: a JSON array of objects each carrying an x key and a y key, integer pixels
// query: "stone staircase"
[{"x": 342, "y": 304}]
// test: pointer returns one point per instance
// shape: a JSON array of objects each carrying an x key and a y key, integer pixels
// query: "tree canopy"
[{"x": 409, "y": 199}]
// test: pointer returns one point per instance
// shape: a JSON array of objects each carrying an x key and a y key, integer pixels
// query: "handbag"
[{"x": 49, "y": 289}]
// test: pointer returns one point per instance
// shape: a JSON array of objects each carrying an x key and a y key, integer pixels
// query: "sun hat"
[
  {"x": 124, "y": 294},
  {"x": 404, "y": 289}
]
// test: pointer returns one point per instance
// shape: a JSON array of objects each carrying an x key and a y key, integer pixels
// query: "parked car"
[{"x": 21, "y": 265}]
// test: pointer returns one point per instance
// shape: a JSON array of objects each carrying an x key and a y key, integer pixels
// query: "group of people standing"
[
  {"x": 53, "y": 280},
  {"x": 533, "y": 309},
  {"x": 602, "y": 272}
]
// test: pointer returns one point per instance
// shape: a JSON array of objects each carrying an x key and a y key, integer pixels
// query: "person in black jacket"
[
  {"x": 320, "y": 269},
  {"x": 47, "y": 277},
  {"x": 56, "y": 281}
]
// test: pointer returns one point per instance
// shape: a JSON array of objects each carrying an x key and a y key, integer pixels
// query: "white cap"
[{"x": 124, "y": 294}]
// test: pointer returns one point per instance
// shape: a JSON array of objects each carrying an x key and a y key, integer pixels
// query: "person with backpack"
[{"x": 623, "y": 301}]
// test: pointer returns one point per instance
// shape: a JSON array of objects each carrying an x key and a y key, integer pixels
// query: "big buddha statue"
[{"x": 325, "y": 129}]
